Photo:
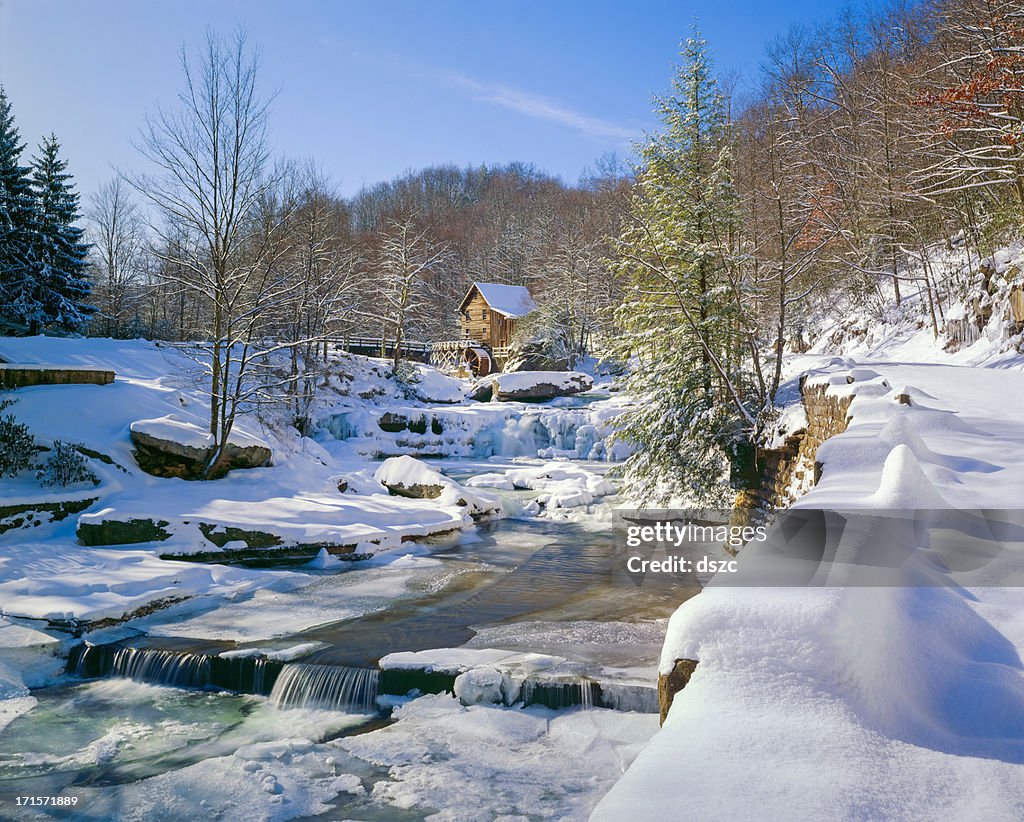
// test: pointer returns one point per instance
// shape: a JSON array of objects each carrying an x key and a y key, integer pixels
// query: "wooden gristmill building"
[{"x": 487, "y": 321}]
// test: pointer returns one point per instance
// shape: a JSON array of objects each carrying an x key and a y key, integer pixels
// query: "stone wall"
[
  {"x": 22, "y": 376},
  {"x": 790, "y": 471}
]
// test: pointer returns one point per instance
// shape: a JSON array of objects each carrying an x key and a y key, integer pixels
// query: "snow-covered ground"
[
  {"x": 831, "y": 702},
  {"x": 851, "y": 702}
]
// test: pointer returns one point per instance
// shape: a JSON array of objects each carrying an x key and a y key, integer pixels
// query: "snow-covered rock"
[
  {"x": 564, "y": 485},
  {"x": 531, "y": 386},
  {"x": 485, "y": 686},
  {"x": 170, "y": 446},
  {"x": 430, "y": 385},
  {"x": 407, "y": 476}
]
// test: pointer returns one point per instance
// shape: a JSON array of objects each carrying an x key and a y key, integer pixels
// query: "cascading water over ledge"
[
  {"x": 582, "y": 692},
  {"x": 331, "y": 687},
  {"x": 181, "y": 669}
]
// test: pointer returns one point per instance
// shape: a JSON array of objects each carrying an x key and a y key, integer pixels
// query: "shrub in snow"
[
  {"x": 406, "y": 375},
  {"x": 17, "y": 446},
  {"x": 65, "y": 466}
]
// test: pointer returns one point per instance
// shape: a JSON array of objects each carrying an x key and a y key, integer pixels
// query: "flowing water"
[
  {"x": 353, "y": 690},
  {"x": 156, "y": 704}
]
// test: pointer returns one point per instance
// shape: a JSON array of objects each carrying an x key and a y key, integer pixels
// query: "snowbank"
[
  {"x": 158, "y": 391},
  {"x": 892, "y": 702},
  {"x": 104, "y": 583},
  {"x": 173, "y": 428},
  {"x": 430, "y": 385}
]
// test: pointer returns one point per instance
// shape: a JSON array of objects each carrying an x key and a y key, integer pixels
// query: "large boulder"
[
  {"x": 172, "y": 447},
  {"x": 407, "y": 476},
  {"x": 536, "y": 386}
]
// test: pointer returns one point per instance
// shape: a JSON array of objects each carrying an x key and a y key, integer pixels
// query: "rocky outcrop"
[
  {"x": 172, "y": 448},
  {"x": 394, "y": 422},
  {"x": 221, "y": 535},
  {"x": 672, "y": 683},
  {"x": 123, "y": 532},
  {"x": 33, "y": 514},
  {"x": 788, "y": 471},
  {"x": 531, "y": 386}
]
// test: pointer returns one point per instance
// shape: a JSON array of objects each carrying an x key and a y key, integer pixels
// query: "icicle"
[{"x": 559, "y": 694}]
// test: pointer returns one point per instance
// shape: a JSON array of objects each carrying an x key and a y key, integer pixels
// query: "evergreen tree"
[
  {"x": 16, "y": 221},
  {"x": 61, "y": 282},
  {"x": 682, "y": 309}
]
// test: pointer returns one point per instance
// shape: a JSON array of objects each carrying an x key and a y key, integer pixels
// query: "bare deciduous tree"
[
  {"x": 221, "y": 236},
  {"x": 405, "y": 258},
  {"x": 118, "y": 237}
]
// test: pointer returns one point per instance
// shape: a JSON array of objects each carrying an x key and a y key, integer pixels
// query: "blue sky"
[{"x": 372, "y": 89}]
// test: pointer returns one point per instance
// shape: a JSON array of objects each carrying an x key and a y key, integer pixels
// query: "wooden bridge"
[
  {"x": 467, "y": 356},
  {"x": 382, "y": 347}
]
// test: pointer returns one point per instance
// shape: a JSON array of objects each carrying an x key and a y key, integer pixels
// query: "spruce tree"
[
  {"x": 16, "y": 221},
  {"x": 60, "y": 258},
  {"x": 680, "y": 309}
]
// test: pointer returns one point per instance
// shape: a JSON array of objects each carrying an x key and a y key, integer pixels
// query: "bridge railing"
[{"x": 374, "y": 346}]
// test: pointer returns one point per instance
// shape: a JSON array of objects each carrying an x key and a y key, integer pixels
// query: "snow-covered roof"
[{"x": 510, "y": 300}]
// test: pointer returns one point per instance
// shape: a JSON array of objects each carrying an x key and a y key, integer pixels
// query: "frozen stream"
[{"x": 131, "y": 749}]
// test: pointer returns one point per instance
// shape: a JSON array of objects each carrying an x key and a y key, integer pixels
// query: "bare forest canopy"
[{"x": 414, "y": 245}]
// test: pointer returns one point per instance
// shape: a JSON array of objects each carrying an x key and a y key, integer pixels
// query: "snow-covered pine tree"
[
  {"x": 61, "y": 276},
  {"x": 681, "y": 314},
  {"x": 17, "y": 215}
]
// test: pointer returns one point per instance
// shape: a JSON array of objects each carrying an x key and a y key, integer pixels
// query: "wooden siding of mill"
[{"x": 495, "y": 331}]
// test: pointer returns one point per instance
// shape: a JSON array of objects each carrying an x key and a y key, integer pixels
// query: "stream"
[{"x": 520, "y": 584}]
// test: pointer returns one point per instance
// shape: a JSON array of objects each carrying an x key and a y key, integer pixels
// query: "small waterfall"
[
  {"x": 251, "y": 675},
  {"x": 518, "y": 436},
  {"x": 162, "y": 667},
  {"x": 259, "y": 675},
  {"x": 639, "y": 699},
  {"x": 559, "y": 694},
  {"x": 326, "y": 686}
]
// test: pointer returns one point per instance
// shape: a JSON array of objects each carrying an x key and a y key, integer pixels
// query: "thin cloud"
[{"x": 541, "y": 108}]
